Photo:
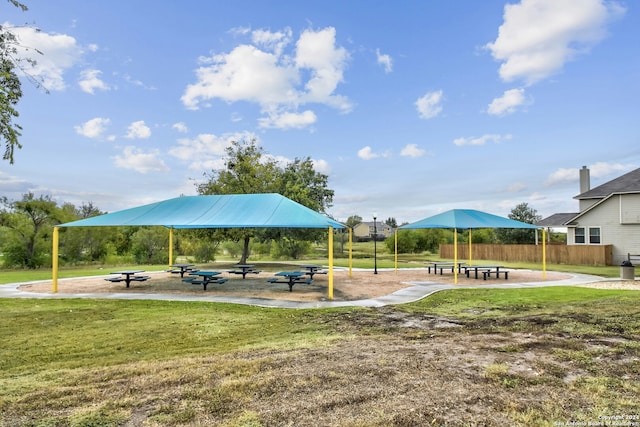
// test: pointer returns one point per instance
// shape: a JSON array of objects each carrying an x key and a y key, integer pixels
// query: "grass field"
[{"x": 462, "y": 357}]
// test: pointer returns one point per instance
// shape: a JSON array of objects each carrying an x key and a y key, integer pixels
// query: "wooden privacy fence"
[{"x": 556, "y": 253}]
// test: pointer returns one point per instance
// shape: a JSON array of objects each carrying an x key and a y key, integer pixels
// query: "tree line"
[{"x": 26, "y": 225}]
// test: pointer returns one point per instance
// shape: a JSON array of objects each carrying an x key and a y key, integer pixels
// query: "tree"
[
  {"x": 391, "y": 222},
  {"x": 249, "y": 170},
  {"x": 11, "y": 88},
  {"x": 522, "y": 213},
  {"x": 29, "y": 221},
  {"x": 353, "y": 220}
]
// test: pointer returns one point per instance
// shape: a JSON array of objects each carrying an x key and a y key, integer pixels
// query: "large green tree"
[
  {"x": 249, "y": 170},
  {"x": 10, "y": 87},
  {"x": 29, "y": 222},
  {"x": 523, "y": 213}
]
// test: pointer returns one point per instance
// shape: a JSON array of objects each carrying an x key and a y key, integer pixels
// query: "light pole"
[{"x": 375, "y": 249}]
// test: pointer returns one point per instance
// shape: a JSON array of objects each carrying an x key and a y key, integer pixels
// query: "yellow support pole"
[
  {"x": 170, "y": 246},
  {"x": 54, "y": 261},
  {"x": 330, "y": 250},
  {"x": 350, "y": 252},
  {"x": 544, "y": 256},
  {"x": 455, "y": 256},
  {"x": 396, "y": 249},
  {"x": 470, "y": 257}
]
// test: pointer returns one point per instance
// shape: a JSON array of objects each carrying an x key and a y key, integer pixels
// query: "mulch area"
[{"x": 360, "y": 285}]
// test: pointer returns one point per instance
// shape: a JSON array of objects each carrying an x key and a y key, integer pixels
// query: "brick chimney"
[{"x": 585, "y": 181}]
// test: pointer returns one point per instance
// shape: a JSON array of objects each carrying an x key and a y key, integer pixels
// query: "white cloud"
[
  {"x": 94, "y": 128},
  {"x": 273, "y": 41},
  {"x": 59, "y": 53},
  {"x": 482, "y": 140},
  {"x": 366, "y": 153},
  {"x": 508, "y": 103},
  {"x": 412, "y": 150},
  {"x": 596, "y": 170},
  {"x": 138, "y": 130},
  {"x": 385, "y": 61},
  {"x": 288, "y": 120},
  {"x": 206, "y": 151},
  {"x": 316, "y": 52},
  {"x": 180, "y": 127},
  {"x": 321, "y": 166},
  {"x": 429, "y": 105},
  {"x": 538, "y": 37},
  {"x": 90, "y": 81},
  {"x": 265, "y": 74},
  {"x": 139, "y": 161}
]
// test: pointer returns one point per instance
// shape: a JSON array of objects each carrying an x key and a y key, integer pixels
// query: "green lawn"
[{"x": 72, "y": 362}]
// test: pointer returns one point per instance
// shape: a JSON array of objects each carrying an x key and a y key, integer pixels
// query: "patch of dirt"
[{"x": 360, "y": 285}]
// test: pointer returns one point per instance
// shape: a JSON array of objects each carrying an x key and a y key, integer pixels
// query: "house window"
[
  {"x": 594, "y": 235},
  {"x": 579, "y": 235}
]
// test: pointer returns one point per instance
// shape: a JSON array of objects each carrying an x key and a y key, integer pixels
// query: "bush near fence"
[{"x": 556, "y": 253}]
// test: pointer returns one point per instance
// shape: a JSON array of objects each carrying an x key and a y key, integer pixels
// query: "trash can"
[{"x": 627, "y": 271}]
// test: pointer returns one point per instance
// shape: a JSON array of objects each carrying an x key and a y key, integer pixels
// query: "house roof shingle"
[
  {"x": 557, "y": 220},
  {"x": 627, "y": 183}
]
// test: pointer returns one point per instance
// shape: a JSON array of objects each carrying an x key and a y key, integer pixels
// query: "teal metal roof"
[
  {"x": 216, "y": 211},
  {"x": 467, "y": 218}
]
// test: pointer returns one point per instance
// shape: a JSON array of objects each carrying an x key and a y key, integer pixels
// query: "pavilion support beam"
[
  {"x": 330, "y": 250},
  {"x": 54, "y": 260}
]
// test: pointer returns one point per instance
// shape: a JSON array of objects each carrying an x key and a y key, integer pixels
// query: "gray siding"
[{"x": 619, "y": 221}]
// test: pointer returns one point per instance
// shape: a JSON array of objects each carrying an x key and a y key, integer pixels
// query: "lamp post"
[{"x": 375, "y": 249}]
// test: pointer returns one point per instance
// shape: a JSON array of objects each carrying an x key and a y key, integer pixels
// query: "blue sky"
[{"x": 410, "y": 107}]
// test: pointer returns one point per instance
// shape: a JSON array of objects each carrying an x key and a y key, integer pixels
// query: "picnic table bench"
[
  {"x": 181, "y": 269},
  {"x": 443, "y": 265},
  {"x": 204, "y": 278},
  {"x": 127, "y": 276},
  {"x": 290, "y": 278},
  {"x": 486, "y": 271},
  {"x": 312, "y": 270},
  {"x": 245, "y": 269}
]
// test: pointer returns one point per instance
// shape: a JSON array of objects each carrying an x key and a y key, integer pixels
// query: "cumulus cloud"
[
  {"x": 143, "y": 162},
  {"x": 206, "y": 151},
  {"x": 94, "y": 128},
  {"x": 180, "y": 127},
  {"x": 90, "y": 81},
  {"x": 288, "y": 120},
  {"x": 276, "y": 74},
  {"x": 481, "y": 140},
  {"x": 366, "y": 153},
  {"x": 138, "y": 130},
  {"x": 412, "y": 150},
  {"x": 429, "y": 105},
  {"x": 596, "y": 170},
  {"x": 59, "y": 53},
  {"x": 321, "y": 166},
  {"x": 385, "y": 61},
  {"x": 508, "y": 103},
  {"x": 537, "y": 37}
]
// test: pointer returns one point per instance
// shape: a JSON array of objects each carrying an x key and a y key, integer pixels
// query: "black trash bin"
[{"x": 627, "y": 271}]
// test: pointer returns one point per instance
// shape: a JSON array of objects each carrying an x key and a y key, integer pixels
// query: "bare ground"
[
  {"x": 361, "y": 284},
  {"x": 393, "y": 368}
]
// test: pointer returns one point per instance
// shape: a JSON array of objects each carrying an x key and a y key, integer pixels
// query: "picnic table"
[
  {"x": 312, "y": 269},
  {"x": 180, "y": 269},
  {"x": 205, "y": 278},
  {"x": 442, "y": 265},
  {"x": 127, "y": 276},
  {"x": 244, "y": 269},
  {"x": 486, "y": 271},
  {"x": 290, "y": 278}
]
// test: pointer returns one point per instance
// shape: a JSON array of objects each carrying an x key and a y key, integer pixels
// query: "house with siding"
[
  {"x": 609, "y": 215},
  {"x": 366, "y": 230}
]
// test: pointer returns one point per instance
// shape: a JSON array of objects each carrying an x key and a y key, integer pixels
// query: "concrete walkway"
[{"x": 416, "y": 291}]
